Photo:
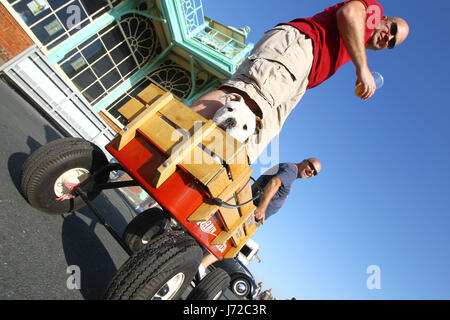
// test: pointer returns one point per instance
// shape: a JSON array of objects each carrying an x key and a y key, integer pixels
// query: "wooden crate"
[{"x": 215, "y": 159}]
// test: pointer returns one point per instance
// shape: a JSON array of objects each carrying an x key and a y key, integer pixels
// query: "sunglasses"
[
  {"x": 394, "y": 29},
  {"x": 312, "y": 167}
]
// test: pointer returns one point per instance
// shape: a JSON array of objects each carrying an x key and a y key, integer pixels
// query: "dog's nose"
[{"x": 228, "y": 123}]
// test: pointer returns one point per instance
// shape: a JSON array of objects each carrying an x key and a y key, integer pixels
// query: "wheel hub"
[
  {"x": 68, "y": 181},
  {"x": 163, "y": 291},
  {"x": 170, "y": 288},
  {"x": 240, "y": 287}
]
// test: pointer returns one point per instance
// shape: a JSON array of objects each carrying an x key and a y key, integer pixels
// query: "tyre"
[
  {"x": 161, "y": 270},
  {"x": 52, "y": 171},
  {"x": 145, "y": 227},
  {"x": 211, "y": 287},
  {"x": 240, "y": 287}
]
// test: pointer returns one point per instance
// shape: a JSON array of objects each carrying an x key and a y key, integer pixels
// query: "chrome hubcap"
[
  {"x": 68, "y": 180},
  {"x": 170, "y": 288}
]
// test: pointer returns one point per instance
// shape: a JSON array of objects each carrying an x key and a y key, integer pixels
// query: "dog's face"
[{"x": 235, "y": 117}]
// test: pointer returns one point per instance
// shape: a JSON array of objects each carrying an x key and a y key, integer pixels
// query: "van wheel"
[
  {"x": 211, "y": 287},
  {"x": 240, "y": 287}
]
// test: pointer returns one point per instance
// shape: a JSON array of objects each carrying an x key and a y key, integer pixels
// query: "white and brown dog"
[{"x": 235, "y": 117}]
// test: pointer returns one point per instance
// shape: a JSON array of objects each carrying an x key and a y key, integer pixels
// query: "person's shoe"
[{"x": 201, "y": 273}]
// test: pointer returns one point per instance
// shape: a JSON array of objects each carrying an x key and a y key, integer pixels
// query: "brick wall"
[{"x": 13, "y": 40}]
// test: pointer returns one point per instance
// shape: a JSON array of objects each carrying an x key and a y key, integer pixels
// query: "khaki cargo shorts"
[{"x": 275, "y": 76}]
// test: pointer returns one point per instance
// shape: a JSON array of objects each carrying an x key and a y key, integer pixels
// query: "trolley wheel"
[
  {"x": 211, "y": 287},
  {"x": 145, "y": 227},
  {"x": 53, "y": 170},
  {"x": 162, "y": 270}
]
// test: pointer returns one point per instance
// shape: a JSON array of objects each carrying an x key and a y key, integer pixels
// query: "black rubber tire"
[
  {"x": 212, "y": 286},
  {"x": 43, "y": 167},
  {"x": 147, "y": 271},
  {"x": 146, "y": 226},
  {"x": 234, "y": 284}
]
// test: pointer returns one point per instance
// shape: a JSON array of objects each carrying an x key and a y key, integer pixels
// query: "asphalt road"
[{"x": 36, "y": 249}]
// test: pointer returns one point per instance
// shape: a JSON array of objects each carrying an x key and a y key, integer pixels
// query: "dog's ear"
[{"x": 231, "y": 97}]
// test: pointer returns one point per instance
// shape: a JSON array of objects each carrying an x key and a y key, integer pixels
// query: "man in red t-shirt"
[{"x": 301, "y": 54}]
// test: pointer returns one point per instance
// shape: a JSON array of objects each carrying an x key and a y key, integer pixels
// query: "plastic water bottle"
[{"x": 379, "y": 82}]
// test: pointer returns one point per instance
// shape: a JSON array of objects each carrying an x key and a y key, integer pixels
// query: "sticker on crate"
[
  {"x": 249, "y": 222},
  {"x": 221, "y": 247},
  {"x": 208, "y": 227},
  {"x": 237, "y": 236}
]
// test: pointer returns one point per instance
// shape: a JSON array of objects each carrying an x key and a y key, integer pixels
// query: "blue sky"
[{"x": 383, "y": 197}]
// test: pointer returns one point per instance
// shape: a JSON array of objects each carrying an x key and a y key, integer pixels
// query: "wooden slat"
[
  {"x": 164, "y": 135},
  {"x": 169, "y": 166},
  {"x": 242, "y": 221},
  {"x": 238, "y": 163},
  {"x": 131, "y": 109},
  {"x": 230, "y": 216},
  {"x": 129, "y": 132},
  {"x": 236, "y": 154},
  {"x": 161, "y": 133},
  {"x": 134, "y": 106},
  {"x": 238, "y": 235},
  {"x": 241, "y": 163},
  {"x": 204, "y": 212},
  {"x": 219, "y": 182},
  {"x": 183, "y": 116},
  {"x": 150, "y": 94},
  {"x": 234, "y": 251},
  {"x": 221, "y": 238}
]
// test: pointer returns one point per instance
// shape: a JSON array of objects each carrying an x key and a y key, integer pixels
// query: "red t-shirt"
[{"x": 329, "y": 50}]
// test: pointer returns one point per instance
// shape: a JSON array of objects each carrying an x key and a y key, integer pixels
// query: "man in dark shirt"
[{"x": 277, "y": 185}]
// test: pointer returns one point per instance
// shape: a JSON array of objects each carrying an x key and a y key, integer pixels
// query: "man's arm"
[
  {"x": 269, "y": 192},
  {"x": 351, "y": 20}
]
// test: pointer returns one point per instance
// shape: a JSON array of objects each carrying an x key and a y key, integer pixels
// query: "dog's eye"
[
  {"x": 229, "y": 109},
  {"x": 245, "y": 127}
]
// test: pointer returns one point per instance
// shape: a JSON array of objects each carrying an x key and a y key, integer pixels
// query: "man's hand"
[
  {"x": 269, "y": 192},
  {"x": 367, "y": 82},
  {"x": 260, "y": 214},
  {"x": 351, "y": 19}
]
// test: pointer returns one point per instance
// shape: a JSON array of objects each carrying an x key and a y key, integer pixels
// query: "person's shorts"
[{"x": 275, "y": 76}]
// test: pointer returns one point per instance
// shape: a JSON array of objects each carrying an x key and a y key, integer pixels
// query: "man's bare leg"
[
  {"x": 208, "y": 104},
  {"x": 207, "y": 260}
]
